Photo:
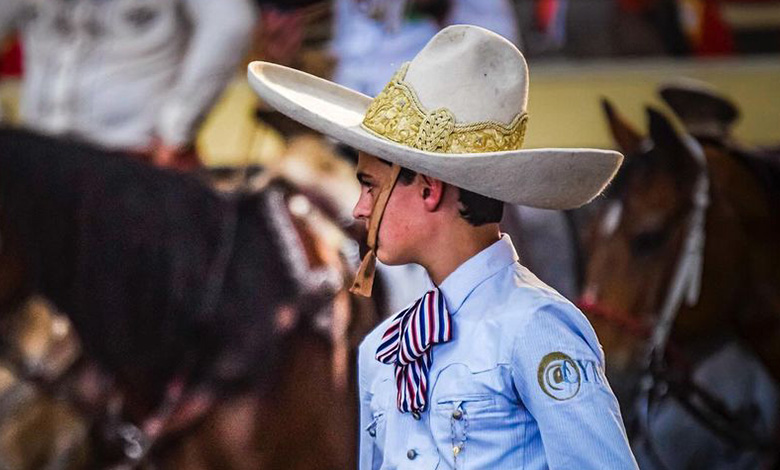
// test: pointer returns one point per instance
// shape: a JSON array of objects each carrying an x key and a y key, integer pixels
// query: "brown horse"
[
  {"x": 683, "y": 258},
  {"x": 220, "y": 324}
]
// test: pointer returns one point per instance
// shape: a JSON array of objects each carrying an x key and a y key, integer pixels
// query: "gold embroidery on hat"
[{"x": 396, "y": 114}]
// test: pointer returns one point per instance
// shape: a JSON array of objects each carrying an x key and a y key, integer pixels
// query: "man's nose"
[{"x": 362, "y": 210}]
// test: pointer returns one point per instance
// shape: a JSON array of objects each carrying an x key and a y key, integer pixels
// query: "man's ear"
[{"x": 432, "y": 192}]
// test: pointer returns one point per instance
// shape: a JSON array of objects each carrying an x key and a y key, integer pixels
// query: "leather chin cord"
[{"x": 364, "y": 280}]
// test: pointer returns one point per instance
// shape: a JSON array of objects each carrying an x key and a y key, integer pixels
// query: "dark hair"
[{"x": 476, "y": 209}]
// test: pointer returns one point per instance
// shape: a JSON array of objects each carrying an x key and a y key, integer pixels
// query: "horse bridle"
[
  {"x": 686, "y": 281},
  {"x": 320, "y": 290},
  {"x": 658, "y": 379}
]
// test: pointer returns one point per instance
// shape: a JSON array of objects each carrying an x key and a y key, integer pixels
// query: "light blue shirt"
[{"x": 520, "y": 386}]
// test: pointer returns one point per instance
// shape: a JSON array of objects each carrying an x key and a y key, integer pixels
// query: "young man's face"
[{"x": 399, "y": 237}]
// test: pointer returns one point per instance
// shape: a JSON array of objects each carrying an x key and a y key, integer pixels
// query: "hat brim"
[{"x": 544, "y": 178}]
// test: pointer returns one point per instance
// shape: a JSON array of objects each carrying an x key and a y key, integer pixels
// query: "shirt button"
[
  {"x": 457, "y": 414},
  {"x": 416, "y": 415},
  {"x": 372, "y": 432},
  {"x": 411, "y": 454}
]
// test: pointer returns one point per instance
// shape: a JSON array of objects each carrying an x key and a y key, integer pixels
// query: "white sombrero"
[{"x": 456, "y": 112}]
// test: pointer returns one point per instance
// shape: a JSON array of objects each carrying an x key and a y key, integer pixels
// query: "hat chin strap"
[{"x": 364, "y": 280}]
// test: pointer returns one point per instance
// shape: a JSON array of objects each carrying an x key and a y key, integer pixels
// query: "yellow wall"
[
  {"x": 9, "y": 100},
  {"x": 564, "y": 104},
  {"x": 230, "y": 135},
  {"x": 564, "y": 101}
]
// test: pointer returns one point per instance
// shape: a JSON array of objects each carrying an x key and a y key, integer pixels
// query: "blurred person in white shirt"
[
  {"x": 132, "y": 75},
  {"x": 372, "y": 38}
]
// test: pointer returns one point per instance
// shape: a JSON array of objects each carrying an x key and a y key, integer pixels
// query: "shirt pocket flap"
[
  {"x": 458, "y": 381},
  {"x": 374, "y": 424}
]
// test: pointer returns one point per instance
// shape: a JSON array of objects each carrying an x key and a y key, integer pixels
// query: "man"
[
  {"x": 134, "y": 75},
  {"x": 490, "y": 369},
  {"x": 371, "y": 38},
  {"x": 706, "y": 114}
]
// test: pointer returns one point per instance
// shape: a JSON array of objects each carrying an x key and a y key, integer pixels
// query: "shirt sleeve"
[
  {"x": 366, "y": 445},
  {"x": 221, "y": 32},
  {"x": 558, "y": 371}
]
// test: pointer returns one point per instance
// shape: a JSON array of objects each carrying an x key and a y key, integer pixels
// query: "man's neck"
[{"x": 454, "y": 247}]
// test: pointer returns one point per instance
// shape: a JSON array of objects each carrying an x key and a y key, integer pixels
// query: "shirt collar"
[{"x": 458, "y": 285}]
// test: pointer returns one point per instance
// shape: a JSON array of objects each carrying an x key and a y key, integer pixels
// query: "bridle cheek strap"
[{"x": 364, "y": 279}]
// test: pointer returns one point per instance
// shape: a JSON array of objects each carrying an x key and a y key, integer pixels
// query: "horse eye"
[{"x": 648, "y": 242}]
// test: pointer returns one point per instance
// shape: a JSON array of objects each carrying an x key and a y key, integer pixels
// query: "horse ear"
[
  {"x": 662, "y": 131},
  {"x": 670, "y": 143},
  {"x": 627, "y": 138}
]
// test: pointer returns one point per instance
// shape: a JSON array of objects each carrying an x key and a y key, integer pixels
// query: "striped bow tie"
[{"x": 407, "y": 343}]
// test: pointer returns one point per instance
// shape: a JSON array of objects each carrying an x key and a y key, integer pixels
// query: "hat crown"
[{"x": 474, "y": 73}]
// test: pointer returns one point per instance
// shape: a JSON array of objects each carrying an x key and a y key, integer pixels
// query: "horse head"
[
  {"x": 672, "y": 244},
  {"x": 638, "y": 235}
]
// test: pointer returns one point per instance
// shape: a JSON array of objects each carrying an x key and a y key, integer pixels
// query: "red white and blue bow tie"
[{"x": 407, "y": 343}]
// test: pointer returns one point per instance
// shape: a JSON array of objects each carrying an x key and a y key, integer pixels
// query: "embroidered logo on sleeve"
[{"x": 561, "y": 377}]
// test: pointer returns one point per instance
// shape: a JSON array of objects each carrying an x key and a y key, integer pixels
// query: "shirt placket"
[{"x": 420, "y": 448}]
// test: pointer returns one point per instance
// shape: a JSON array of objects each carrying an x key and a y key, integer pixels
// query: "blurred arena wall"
[{"x": 564, "y": 104}]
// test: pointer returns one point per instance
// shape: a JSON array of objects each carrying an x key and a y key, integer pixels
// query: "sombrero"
[
  {"x": 456, "y": 112},
  {"x": 702, "y": 109}
]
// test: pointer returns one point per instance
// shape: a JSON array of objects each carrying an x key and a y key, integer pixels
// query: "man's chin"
[
  {"x": 390, "y": 260},
  {"x": 385, "y": 261}
]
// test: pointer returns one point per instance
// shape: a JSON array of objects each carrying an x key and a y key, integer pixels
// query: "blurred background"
[
  {"x": 578, "y": 51},
  {"x": 672, "y": 83}
]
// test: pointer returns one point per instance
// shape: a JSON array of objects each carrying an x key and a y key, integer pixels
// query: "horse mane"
[
  {"x": 763, "y": 165},
  {"x": 127, "y": 251}
]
